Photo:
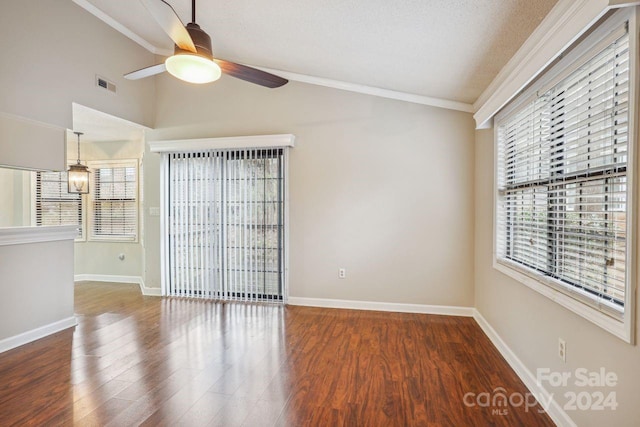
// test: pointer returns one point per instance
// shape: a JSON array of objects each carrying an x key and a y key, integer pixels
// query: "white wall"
[
  {"x": 52, "y": 51},
  {"x": 531, "y": 324},
  {"x": 380, "y": 187}
]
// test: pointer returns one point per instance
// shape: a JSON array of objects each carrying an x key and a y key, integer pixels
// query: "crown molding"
[
  {"x": 567, "y": 21},
  {"x": 86, "y": 5},
  {"x": 370, "y": 90}
]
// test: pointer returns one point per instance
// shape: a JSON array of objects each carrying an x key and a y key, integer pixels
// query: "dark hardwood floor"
[{"x": 145, "y": 360}]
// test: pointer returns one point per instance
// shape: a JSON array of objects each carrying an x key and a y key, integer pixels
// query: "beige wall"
[
  {"x": 6, "y": 198},
  {"x": 28, "y": 144},
  {"x": 52, "y": 51},
  {"x": 15, "y": 200},
  {"x": 531, "y": 324},
  {"x": 102, "y": 258},
  {"x": 55, "y": 49},
  {"x": 380, "y": 187},
  {"x": 36, "y": 286},
  {"x": 97, "y": 258}
]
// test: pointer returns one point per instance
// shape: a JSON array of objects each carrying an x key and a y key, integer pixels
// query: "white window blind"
[
  {"x": 562, "y": 182},
  {"x": 225, "y": 211},
  {"x": 114, "y": 213},
  {"x": 54, "y": 204}
]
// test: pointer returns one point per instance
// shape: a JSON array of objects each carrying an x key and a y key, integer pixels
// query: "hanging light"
[{"x": 78, "y": 174}]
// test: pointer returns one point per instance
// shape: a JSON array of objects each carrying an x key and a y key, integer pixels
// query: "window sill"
[
  {"x": 616, "y": 327},
  {"x": 112, "y": 239}
]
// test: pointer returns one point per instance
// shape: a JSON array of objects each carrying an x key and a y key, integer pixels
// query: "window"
[
  {"x": 563, "y": 174},
  {"x": 54, "y": 205},
  {"x": 114, "y": 200},
  {"x": 226, "y": 224}
]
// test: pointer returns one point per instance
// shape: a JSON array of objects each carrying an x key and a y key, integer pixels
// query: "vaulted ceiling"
[{"x": 448, "y": 49}]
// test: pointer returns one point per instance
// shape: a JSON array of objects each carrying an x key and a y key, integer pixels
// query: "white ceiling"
[
  {"x": 447, "y": 49},
  {"x": 97, "y": 126}
]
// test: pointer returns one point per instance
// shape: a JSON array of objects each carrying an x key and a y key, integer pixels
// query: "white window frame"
[
  {"x": 622, "y": 327},
  {"x": 93, "y": 166}
]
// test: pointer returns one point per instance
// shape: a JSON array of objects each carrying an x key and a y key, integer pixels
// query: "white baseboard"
[
  {"x": 119, "y": 279},
  {"x": 37, "y": 333},
  {"x": 553, "y": 409},
  {"x": 382, "y": 306},
  {"x": 108, "y": 278},
  {"x": 152, "y": 292}
]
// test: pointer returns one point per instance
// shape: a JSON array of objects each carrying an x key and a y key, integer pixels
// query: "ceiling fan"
[{"x": 193, "y": 59}]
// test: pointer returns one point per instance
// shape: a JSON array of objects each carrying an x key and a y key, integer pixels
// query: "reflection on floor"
[{"x": 147, "y": 360}]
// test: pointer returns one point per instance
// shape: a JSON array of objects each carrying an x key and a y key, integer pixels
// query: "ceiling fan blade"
[
  {"x": 170, "y": 22},
  {"x": 250, "y": 74},
  {"x": 146, "y": 72}
]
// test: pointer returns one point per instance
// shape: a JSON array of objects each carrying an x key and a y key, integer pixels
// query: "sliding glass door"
[{"x": 225, "y": 216}]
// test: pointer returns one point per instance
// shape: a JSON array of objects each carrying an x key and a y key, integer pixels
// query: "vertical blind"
[
  {"x": 115, "y": 205},
  {"x": 226, "y": 224},
  {"x": 54, "y": 204},
  {"x": 562, "y": 181}
]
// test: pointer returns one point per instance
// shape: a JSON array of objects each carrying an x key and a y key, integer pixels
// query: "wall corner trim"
[
  {"x": 37, "y": 333},
  {"x": 136, "y": 280},
  {"x": 382, "y": 306},
  {"x": 555, "y": 411}
]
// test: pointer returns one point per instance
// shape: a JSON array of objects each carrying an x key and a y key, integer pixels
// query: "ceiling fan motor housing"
[{"x": 200, "y": 39}]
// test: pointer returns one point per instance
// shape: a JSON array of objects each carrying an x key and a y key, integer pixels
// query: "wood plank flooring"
[{"x": 136, "y": 360}]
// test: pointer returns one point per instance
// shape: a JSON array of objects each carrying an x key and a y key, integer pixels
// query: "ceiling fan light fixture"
[
  {"x": 193, "y": 68},
  {"x": 193, "y": 59}
]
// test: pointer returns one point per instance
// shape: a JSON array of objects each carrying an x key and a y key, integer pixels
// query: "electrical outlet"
[
  {"x": 342, "y": 273},
  {"x": 562, "y": 349}
]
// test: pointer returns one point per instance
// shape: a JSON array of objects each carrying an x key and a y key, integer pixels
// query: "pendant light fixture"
[{"x": 78, "y": 175}]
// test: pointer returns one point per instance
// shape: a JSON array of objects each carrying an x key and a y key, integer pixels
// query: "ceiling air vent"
[{"x": 105, "y": 84}]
